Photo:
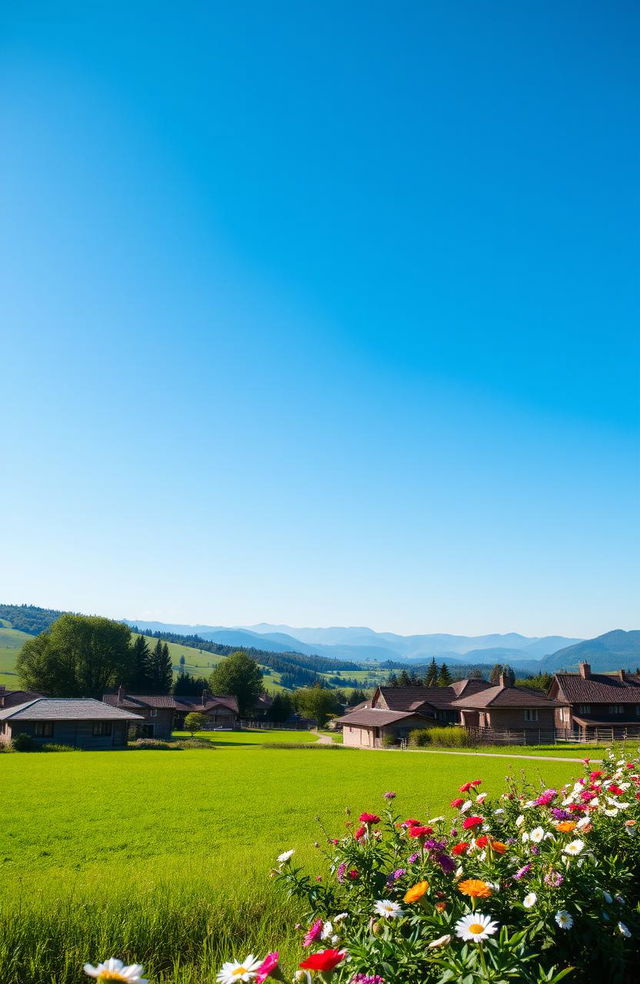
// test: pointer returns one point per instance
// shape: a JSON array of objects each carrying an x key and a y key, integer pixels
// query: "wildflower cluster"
[{"x": 533, "y": 885}]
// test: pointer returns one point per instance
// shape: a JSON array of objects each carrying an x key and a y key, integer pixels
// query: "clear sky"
[{"x": 322, "y": 313}]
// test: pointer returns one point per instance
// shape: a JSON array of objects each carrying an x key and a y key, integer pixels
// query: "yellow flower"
[
  {"x": 415, "y": 893},
  {"x": 475, "y": 888}
]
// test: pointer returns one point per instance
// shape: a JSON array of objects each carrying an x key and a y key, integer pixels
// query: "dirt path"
[{"x": 323, "y": 739}]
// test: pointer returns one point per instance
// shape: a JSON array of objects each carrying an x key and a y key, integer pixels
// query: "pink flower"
[
  {"x": 268, "y": 965},
  {"x": 456, "y": 803},
  {"x": 369, "y": 818},
  {"x": 389, "y": 796},
  {"x": 360, "y": 832},
  {"x": 313, "y": 933},
  {"x": 469, "y": 822}
]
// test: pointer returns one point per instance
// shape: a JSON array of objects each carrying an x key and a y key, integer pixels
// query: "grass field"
[
  {"x": 11, "y": 642},
  {"x": 164, "y": 856}
]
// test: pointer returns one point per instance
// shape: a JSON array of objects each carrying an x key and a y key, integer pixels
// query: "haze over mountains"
[{"x": 364, "y": 644}]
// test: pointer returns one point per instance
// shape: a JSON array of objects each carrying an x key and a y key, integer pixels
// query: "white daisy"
[
  {"x": 245, "y": 971},
  {"x": 500, "y": 810},
  {"x": 340, "y": 917},
  {"x": 115, "y": 970},
  {"x": 537, "y": 835},
  {"x": 583, "y": 823},
  {"x": 611, "y": 813},
  {"x": 574, "y": 847},
  {"x": 564, "y": 919},
  {"x": 465, "y": 806},
  {"x": 435, "y": 820},
  {"x": 519, "y": 820},
  {"x": 481, "y": 798},
  {"x": 388, "y": 909},
  {"x": 286, "y": 856},
  {"x": 624, "y": 929},
  {"x": 441, "y": 941},
  {"x": 530, "y": 900},
  {"x": 475, "y": 926},
  {"x": 327, "y": 931}
]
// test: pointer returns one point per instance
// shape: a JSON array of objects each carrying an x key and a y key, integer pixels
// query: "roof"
[
  {"x": 412, "y": 698},
  {"x": 620, "y": 722},
  {"x": 506, "y": 697},
  {"x": 9, "y": 698},
  {"x": 375, "y": 717},
  {"x": 138, "y": 702},
  {"x": 599, "y": 688},
  {"x": 66, "y": 709}
]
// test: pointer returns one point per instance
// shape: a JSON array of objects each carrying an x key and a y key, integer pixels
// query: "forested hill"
[
  {"x": 280, "y": 662},
  {"x": 29, "y": 618}
]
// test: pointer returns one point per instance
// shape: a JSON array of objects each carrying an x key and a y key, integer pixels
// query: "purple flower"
[
  {"x": 554, "y": 879},
  {"x": 395, "y": 875},
  {"x": 446, "y": 863},
  {"x": 535, "y": 849},
  {"x": 340, "y": 872},
  {"x": 366, "y": 979},
  {"x": 522, "y": 872},
  {"x": 431, "y": 845},
  {"x": 387, "y": 796},
  {"x": 413, "y": 858},
  {"x": 560, "y": 814}
]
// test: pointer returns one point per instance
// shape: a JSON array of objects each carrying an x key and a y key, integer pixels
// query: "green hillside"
[{"x": 11, "y": 642}]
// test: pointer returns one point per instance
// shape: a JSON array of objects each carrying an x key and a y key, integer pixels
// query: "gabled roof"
[
  {"x": 599, "y": 688},
  {"x": 505, "y": 697},
  {"x": 140, "y": 702},
  {"x": 65, "y": 709},
  {"x": 441, "y": 698},
  {"x": 376, "y": 717},
  {"x": 9, "y": 698}
]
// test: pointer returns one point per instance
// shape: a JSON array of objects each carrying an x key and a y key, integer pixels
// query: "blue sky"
[{"x": 322, "y": 313}]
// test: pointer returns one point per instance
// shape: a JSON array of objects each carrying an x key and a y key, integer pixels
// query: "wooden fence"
[{"x": 553, "y": 736}]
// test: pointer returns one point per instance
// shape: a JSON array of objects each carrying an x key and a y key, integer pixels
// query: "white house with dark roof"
[{"x": 77, "y": 721}]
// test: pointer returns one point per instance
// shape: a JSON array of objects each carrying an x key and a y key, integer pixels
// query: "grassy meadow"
[{"x": 165, "y": 856}]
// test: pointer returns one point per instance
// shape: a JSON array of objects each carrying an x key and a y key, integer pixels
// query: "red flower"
[
  {"x": 615, "y": 790},
  {"x": 482, "y": 841},
  {"x": 417, "y": 831},
  {"x": 476, "y": 782},
  {"x": 353, "y": 874},
  {"x": 410, "y": 823},
  {"x": 268, "y": 965},
  {"x": 465, "y": 787},
  {"x": 457, "y": 803},
  {"x": 460, "y": 848},
  {"x": 595, "y": 775},
  {"x": 470, "y": 822},
  {"x": 369, "y": 818},
  {"x": 360, "y": 832},
  {"x": 324, "y": 961},
  {"x": 638, "y": 796}
]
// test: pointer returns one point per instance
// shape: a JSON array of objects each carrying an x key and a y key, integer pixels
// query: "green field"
[
  {"x": 11, "y": 642},
  {"x": 164, "y": 856}
]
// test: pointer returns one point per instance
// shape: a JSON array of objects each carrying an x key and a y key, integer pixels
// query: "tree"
[
  {"x": 444, "y": 677},
  {"x": 393, "y": 680},
  {"x": 78, "y": 656},
  {"x": 139, "y": 681},
  {"x": 317, "y": 703},
  {"x": 187, "y": 685},
  {"x": 431, "y": 679},
  {"x": 494, "y": 676},
  {"x": 161, "y": 670},
  {"x": 281, "y": 708},
  {"x": 238, "y": 676},
  {"x": 356, "y": 697},
  {"x": 195, "y": 721}
]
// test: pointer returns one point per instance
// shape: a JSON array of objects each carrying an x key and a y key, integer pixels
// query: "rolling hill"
[{"x": 616, "y": 650}]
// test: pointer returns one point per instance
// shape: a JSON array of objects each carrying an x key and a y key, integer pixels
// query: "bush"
[
  {"x": 441, "y": 737},
  {"x": 59, "y": 748},
  {"x": 308, "y": 747},
  {"x": 195, "y": 721},
  {"x": 23, "y": 743},
  {"x": 389, "y": 741},
  {"x": 533, "y": 885},
  {"x": 154, "y": 744}
]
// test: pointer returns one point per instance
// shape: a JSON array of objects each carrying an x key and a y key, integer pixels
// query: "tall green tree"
[
  {"x": 77, "y": 656},
  {"x": 494, "y": 676},
  {"x": 281, "y": 708},
  {"x": 431, "y": 679},
  {"x": 187, "y": 685},
  {"x": 444, "y": 677},
  {"x": 317, "y": 703},
  {"x": 239, "y": 676},
  {"x": 161, "y": 670},
  {"x": 139, "y": 681}
]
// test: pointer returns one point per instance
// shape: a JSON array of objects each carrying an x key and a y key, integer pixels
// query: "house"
[
  {"x": 597, "y": 705},
  {"x": 508, "y": 708},
  {"x": 80, "y": 722},
  {"x": 162, "y": 714},
  {"x": 393, "y": 712},
  {"x": 9, "y": 698}
]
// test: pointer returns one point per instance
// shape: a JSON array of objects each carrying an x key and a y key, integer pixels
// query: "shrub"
[
  {"x": 531, "y": 885},
  {"x": 442, "y": 737},
  {"x": 53, "y": 747},
  {"x": 308, "y": 747},
  {"x": 195, "y": 721},
  {"x": 154, "y": 744},
  {"x": 389, "y": 740},
  {"x": 419, "y": 738},
  {"x": 23, "y": 743}
]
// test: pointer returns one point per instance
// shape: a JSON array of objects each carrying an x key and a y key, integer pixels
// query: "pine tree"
[
  {"x": 404, "y": 680},
  {"x": 494, "y": 676},
  {"x": 393, "y": 680},
  {"x": 444, "y": 678},
  {"x": 140, "y": 676},
  {"x": 161, "y": 669},
  {"x": 431, "y": 679}
]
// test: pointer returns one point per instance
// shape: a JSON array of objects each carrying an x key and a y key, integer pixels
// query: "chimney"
[
  {"x": 585, "y": 670},
  {"x": 622, "y": 676},
  {"x": 120, "y": 694}
]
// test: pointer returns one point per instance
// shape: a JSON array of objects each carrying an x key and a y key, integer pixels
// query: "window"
[
  {"x": 44, "y": 729},
  {"x": 584, "y": 708},
  {"x": 616, "y": 708},
  {"x": 153, "y": 713},
  {"x": 102, "y": 728},
  {"x": 530, "y": 714}
]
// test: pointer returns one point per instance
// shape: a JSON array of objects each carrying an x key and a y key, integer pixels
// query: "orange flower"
[
  {"x": 498, "y": 847},
  {"x": 415, "y": 893},
  {"x": 566, "y": 826},
  {"x": 441, "y": 906},
  {"x": 475, "y": 888}
]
